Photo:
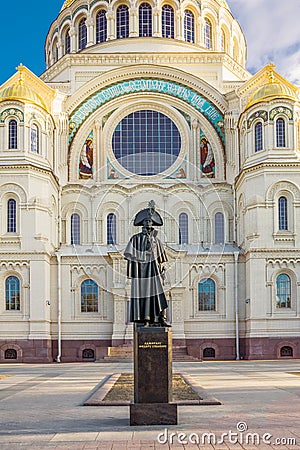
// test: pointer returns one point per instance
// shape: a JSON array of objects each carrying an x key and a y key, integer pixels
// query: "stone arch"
[
  {"x": 10, "y": 346},
  {"x": 83, "y": 350},
  {"x": 211, "y": 345},
  {"x": 283, "y": 186},
  {"x": 287, "y": 344}
]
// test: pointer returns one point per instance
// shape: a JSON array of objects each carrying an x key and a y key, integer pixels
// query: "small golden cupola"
[
  {"x": 273, "y": 89},
  {"x": 21, "y": 90}
]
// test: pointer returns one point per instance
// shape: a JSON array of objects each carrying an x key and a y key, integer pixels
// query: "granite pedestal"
[{"x": 153, "y": 378}]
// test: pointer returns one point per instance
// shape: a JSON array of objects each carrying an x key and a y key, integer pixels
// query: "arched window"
[
  {"x": 55, "y": 51},
  {"x": 223, "y": 41},
  {"x": 111, "y": 229},
  {"x": 89, "y": 296},
  {"x": 10, "y": 353},
  {"x": 12, "y": 293},
  {"x": 235, "y": 49},
  {"x": 67, "y": 47},
  {"x": 101, "y": 26},
  {"x": 183, "y": 228},
  {"x": 75, "y": 229},
  {"x": 280, "y": 132},
  {"x": 88, "y": 353},
  {"x": 82, "y": 34},
  {"x": 258, "y": 137},
  {"x": 209, "y": 352},
  {"x": 145, "y": 20},
  {"x": 188, "y": 26},
  {"x": 283, "y": 291},
  {"x": 13, "y": 134},
  {"x": 207, "y": 34},
  {"x": 219, "y": 228},
  {"x": 207, "y": 295},
  {"x": 282, "y": 214},
  {"x": 34, "y": 138},
  {"x": 286, "y": 351},
  {"x": 11, "y": 216},
  {"x": 167, "y": 22},
  {"x": 122, "y": 22}
]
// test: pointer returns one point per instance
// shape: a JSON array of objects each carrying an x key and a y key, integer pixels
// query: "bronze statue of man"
[{"x": 145, "y": 256}]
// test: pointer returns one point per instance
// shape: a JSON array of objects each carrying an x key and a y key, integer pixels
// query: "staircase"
[
  {"x": 180, "y": 354},
  {"x": 120, "y": 353},
  {"x": 125, "y": 352}
]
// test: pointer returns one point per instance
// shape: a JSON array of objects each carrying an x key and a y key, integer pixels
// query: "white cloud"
[{"x": 272, "y": 33}]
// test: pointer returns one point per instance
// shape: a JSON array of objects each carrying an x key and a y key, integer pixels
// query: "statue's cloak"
[{"x": 145, "y": 255}]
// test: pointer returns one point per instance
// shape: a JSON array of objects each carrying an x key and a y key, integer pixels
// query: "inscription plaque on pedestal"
[{"x": 153, "y": 378}]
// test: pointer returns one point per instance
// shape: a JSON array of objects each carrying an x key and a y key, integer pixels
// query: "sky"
[{"x": 271, "y": 28}]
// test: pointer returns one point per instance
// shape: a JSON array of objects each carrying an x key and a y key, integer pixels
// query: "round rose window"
[{"x": 146, "y": 142}]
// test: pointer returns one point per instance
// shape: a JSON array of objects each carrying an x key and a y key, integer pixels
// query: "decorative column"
[
  {"x": 193, "y": 167},
  {"x": 90, "y": 31},
  {"x": 177, "y": 296},
  {"x": 98, "y": 152},
  {"x": 179, "y": 22},
  {"x": 73, "y": 42},
  {"x": 156, "y": 22},
  {"x": 119, "y": 325},
  {"x": 111, "y": 29},
  {"x": 59, "y": 48},
  {"x": 133, "y": 22}
]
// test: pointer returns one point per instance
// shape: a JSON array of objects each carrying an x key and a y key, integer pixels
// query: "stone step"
[{"x": 125, "y": 352}]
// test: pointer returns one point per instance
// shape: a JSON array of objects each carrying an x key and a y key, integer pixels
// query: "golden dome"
[
  {"x": 20, "y": 92},
  {"x": 67, "y": 3},
  {"x": 271, "y": 91}
]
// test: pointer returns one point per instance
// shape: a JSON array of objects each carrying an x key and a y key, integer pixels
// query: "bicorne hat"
[{"x": 148, "y": 213}]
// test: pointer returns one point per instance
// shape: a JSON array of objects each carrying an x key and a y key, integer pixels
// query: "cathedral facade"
[{"x": 140, "y": 101}]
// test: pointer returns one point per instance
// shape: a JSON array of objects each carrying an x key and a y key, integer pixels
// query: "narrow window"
[
  {"x": 207, "y": 34},
  {"x": 75, "y": 229},
  {"x": 219, "y": 228},
  {"x": 282, "y": 214},
  {"x": 89, "y": 296},
  {"x": 82, "y": 34},
  {"x": 55, "y": 51},
  {"x": 258, "y": 137},
  {"x": 145, "y": 20},
  {"x": 280, "y": 133},
  {"x": 101, "y": 26},
  {"x": 12, "y": 293},
  {"x": 223, "y": 41},
  {"x": 189, "y": 30},
  {"x": 207, "y": 295},
  {"x": 67, "y": 41},
  {"x": 283, "y": 291},
  {"x": 183, "y": 228},
  {"x": 34, "y": 138},
  {"x": 13, "y": 134},
  {"x": 167, "y": 21},
  {"x": 11, "y": 216},
  {"x": 235, "y": 49},
  {"x": 111, "y": 229},
  {"x": 122, "y": 22}
]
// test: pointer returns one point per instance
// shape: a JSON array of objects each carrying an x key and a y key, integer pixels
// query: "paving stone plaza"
[{"x": 41, "y": 408}]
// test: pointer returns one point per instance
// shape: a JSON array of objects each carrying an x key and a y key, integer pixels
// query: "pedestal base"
[{"x": 153, "y": 414}]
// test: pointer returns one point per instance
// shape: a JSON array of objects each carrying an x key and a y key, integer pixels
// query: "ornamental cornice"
[
  {"x": 271, "y": 253},
  {"x": 32, "y": 167},
  {"x": 263, "y": 165},
  {"x": 139, "y": 71},
  {"x": 128, "y": 189},
  {"x": 121, "y": 59}
]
